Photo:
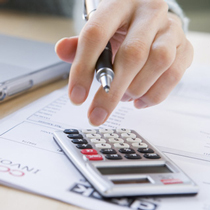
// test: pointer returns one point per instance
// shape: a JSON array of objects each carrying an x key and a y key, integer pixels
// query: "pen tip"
[{"x": 106, "y": 88}]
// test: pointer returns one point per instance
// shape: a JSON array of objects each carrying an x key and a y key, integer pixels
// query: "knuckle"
[
  {"x": 77, "y": 70},
  {"x": 159, "y": 6},
  {"x": 134, "y": 51},
  {"x": 162, "y": 55},
  {"x": 174, "y": 24},
  {"x": 164, "y": 6},
  {"x": 160, "y": 11},
  {"x": 93, "y": 32}
]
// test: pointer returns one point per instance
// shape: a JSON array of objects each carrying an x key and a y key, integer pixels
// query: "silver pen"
[{"x": 104, "y": 67}]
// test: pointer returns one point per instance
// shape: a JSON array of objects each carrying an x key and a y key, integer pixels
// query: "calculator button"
[
  {"x": 75, "y": 136},
  {"x": 127, "y": 150},
  {"x": 94, "y": 157},
  {"x": 132, "y": 156},
  {"x": 140, "y": 145},
  {"x": 106, "y": 131},
  {"x": 121, "y": 145},
  {"x": 128, "y": 135},
  {"x": 79, "y": 141},
  {"x": 84, "y": 146},
  {"x": 134, "y": 140},
  {"x": 145, "y": 150},
  {"x": 151, "y": 156},
  {"x": 71, "y": 131},
  {"x": 89, "y": 152},
  {"x": 108, "y": 151},
  {"x": 171, "y": 181},
  {"x": 95, "y": 141},
  {"x": 86, "y": 131},
  {"x": 111, "y": 135},
  {"x": 116, "y": 140},
  {"x": 93, "y": 136},
  {"x": 123, "y": 130},
  {"x": 103, "y": 145},
  {"x": 113, "y": 157}
]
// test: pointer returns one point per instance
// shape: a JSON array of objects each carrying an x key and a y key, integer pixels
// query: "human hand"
[{"x": 150, "y": 55}]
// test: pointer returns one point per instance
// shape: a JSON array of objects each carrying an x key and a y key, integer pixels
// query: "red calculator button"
[
  {"x": 171, "y": 181},
  {"x": 89, "y": 152},
  {"x": 94, "y": 157}
]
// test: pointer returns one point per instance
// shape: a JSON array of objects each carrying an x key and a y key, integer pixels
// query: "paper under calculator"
[{"x": 119, "y": 162}]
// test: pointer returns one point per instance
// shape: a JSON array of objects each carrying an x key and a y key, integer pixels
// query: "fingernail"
[
  {"x": 98, "y": 116},
  {"x": 139, "y": 104},
  {"x": 55, "y": 48},
  {"x": 78, "y": 94}
]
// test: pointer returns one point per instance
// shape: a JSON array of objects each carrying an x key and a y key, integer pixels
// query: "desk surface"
[
  {"x": 42, "y": 28},
  {"x": 37, "y": 27}
]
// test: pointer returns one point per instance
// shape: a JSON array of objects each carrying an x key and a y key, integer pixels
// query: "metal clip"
[
  {"x": 90, "y": 7},
  {"x": 85, "y": 16}
]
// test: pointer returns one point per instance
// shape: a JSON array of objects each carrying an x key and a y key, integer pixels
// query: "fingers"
[
  {"x": 168, "y": 80},
  {"x": 151, "y": 54},
  {"x": 169, "y": 56},
  {"x": 130, "y": 58},
  {"x": 161, "y": 56},
  {"x": 92, "y": 40}
]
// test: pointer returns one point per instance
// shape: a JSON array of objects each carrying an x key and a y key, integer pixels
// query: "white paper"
[
  {"x": 30, "y": 159},
  {"x": 181, "y": 124}
]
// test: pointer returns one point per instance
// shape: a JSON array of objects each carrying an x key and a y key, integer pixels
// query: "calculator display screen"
[
  {"x": 131, "y": 181},
  {"x": 134, "y": 170}
]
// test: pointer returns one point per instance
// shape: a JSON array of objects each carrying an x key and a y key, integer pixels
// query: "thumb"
[{"x": 66, "y": 48}]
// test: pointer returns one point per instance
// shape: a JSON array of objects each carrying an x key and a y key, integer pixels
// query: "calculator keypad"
[
  {"x": 108, "y": 151},
  {"x": 89, "y": 152},
  {"x": 133, "y": 156},
  {"x": 94, "y": 157},
  {"x": 127, "y": 150},
  {"x": 84, "y": 146},
  {"x": 121, "y": 145},
  {"x": 113, "y": 156},
  {"x": 96, "y": 141},
  {"x": 71, "y": 131},
  {"x": 79, "y": 141},
  {"x": 111, "y": 144},
  {"x": 103, "y": 145}
]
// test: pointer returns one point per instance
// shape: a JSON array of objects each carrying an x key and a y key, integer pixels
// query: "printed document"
[{"x": 30, "y": 159}]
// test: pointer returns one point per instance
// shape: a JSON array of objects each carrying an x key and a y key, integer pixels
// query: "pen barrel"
[
  {"x": 105, "y": 59},
  {"x": 104, "y": 72},
  {"x": 90, "y": 7}
]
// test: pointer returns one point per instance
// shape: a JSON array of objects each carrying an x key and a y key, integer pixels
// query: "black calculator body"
[{"x": 120, "y": 162}]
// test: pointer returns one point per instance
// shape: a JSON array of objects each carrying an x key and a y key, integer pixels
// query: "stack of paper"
[{"x": 30, "y": 160}]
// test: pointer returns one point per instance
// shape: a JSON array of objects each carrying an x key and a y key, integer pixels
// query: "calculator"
[{"x": 120, "y": 162}]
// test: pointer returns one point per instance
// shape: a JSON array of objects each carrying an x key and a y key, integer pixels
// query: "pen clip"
[
  {"x": 85, "y": 16},
  {"x": 90, "y": 7}
]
